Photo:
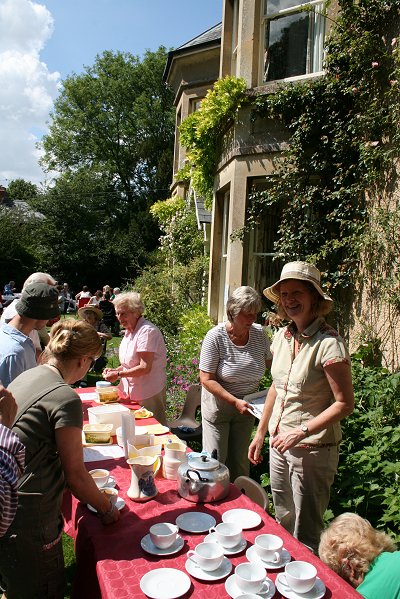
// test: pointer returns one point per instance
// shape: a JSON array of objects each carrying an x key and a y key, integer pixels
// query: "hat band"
[{"x": 295, "y": 275}]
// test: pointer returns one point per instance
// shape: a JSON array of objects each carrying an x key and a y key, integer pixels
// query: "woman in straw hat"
[{"x": 311, "y": 392}]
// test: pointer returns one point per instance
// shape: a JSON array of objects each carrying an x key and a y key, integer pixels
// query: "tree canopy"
[{"x": 117, "y": 119}]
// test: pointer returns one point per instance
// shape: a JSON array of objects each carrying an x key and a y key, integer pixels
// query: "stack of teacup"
[{"x": 174, "y": 456}]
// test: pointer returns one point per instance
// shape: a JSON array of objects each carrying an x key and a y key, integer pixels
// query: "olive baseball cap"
[{"x": 38, "y": 301}]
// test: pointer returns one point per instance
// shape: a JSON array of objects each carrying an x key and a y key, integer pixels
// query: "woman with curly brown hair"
[
  {"x": 364, "y": 557},
  {"x": 49, "y": 424}
]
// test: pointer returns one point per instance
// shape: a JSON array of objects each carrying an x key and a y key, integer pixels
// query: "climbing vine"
[{"x": 343, "y": 152}]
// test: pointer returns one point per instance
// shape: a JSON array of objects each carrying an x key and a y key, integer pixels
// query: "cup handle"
[
  {"x": 211, "y": 530},
  {"x": 277, "y": 557},
  {"x": 190, "y": 555}
]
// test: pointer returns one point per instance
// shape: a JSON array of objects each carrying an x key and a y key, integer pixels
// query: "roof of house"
[
  {"x": 201, "y": 41},
  {"x": 202, "y": 214}
]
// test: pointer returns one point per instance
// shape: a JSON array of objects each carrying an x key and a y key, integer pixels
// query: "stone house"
[{"x": 263, "y": 42}]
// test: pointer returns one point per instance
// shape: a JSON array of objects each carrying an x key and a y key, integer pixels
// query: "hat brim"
[
  {"x": 37, "y": 312},
  {"x": 272, "y": 292},
  {"x": 88, "y": 308}
]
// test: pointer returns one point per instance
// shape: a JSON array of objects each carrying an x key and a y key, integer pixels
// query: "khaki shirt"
[{"x": 302, "y": 388}]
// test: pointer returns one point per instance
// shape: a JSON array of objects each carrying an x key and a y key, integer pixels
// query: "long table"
[{"x": 111, "y": 562}]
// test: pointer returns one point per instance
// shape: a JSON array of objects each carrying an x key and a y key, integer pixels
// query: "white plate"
[
  {"x": 246, "y": 518},
  {"x": 156, "y": 429},
  {"x": 195, "y": 522},
  {"x": 233, "y": 590},
  {"x": 165, "y": 583},
  {"x": 197, "y": 572},
  {"x": 119, "y": 505},
  {"x": 253, "y": 556},
  {"x": 211, "y": 538},
  {"x": 148, "y": 545},
  {"x": 317, "y": 592},
  {"x": 141, "y": 430}
]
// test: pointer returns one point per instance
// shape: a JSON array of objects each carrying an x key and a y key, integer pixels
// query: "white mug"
[
  {"x": 228, "y": 534},
  {"x": 208, "y": 556},
  {"x": 250, "y": 577},
  {"x": 163, "y": 535},
  {"x": 269, "y": 547},
  {"x": 300, "y": 576}
]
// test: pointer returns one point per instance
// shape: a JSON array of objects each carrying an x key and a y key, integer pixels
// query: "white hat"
[{"x": 302, "y": 271}]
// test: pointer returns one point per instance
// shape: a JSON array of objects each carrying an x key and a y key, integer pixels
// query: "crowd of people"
[{"x": 311, "y": 392}]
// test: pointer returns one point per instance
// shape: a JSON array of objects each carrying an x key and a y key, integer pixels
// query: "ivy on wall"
[{"x": 344, "y": 134}]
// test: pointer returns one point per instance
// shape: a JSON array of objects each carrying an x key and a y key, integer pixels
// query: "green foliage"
[
  {"x": 368, "y": 478},
  {"x": 344, "y": 141},
  {"x": 18, "y": 245},
  {"x": 19, "y": 189},
  {"x": 116, "y": 118},
  {"x": 183, "y": 350},
  {"x": 201, "y": 131},
  {"x": 165, "y": 210}
]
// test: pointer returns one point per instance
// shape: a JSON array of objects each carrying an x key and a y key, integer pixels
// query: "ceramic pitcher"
[{"x": 143, "y": 470}]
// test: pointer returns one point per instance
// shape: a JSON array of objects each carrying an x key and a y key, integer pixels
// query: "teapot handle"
[{"x": 189, "y": 479}]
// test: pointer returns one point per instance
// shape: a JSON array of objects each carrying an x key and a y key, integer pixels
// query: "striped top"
[
  {"x": 238, "y": 369},
  {"x": 12, "y": 458}
]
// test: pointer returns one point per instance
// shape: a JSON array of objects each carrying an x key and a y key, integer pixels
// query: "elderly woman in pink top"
[{"x": 142, "y": 355}]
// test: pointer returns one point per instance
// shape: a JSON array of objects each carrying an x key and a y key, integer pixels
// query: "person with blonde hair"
[
  {"x": 311, "y": 392},
  {"x": 49, "y": 424},
  {"x": 142, "y": 356},
  {"x": 363, "y": 556}
]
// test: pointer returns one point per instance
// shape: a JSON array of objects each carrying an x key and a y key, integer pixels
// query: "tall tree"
[
  {"x": 117, "y": 119},
  {"x": 19, "y": 189}
]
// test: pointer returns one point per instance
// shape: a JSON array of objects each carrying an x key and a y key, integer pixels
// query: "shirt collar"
[{"x": 310, "y": 331}]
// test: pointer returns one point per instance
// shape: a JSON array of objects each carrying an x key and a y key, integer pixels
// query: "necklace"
[{"x": 56, "y": 368}]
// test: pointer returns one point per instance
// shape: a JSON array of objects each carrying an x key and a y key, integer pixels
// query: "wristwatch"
[{"x": 304, "y": 428}]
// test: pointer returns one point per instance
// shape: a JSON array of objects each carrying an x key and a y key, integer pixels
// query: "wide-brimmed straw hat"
[
  {"x": 90, "y": 308},
  {"x": 302, "y": 271}
]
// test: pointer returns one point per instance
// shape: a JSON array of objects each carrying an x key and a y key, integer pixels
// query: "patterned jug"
[{"x": 143, "y": 470}]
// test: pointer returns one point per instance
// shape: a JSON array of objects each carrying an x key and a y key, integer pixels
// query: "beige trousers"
[{"x": 301, "y": 480}]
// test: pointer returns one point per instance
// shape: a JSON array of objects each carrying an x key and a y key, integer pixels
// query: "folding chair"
[{"x": 253, "y": 490}]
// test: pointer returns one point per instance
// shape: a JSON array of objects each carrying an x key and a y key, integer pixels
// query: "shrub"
[{"x": 183, "y": 352}]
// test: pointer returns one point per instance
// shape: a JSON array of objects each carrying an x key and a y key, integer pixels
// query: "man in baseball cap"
[{"x": 37, "y": 305}]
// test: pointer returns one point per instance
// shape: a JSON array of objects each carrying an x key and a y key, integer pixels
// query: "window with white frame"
[
  {"x": 235, "y": 36},
  {"x": 293, "y": 38}
]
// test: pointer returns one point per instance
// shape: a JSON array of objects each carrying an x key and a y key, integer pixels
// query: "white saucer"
[
  {"x": 246, "y": 518},
  {"x": 317, "y": 592},
  {"x": 119, "y": 505},
  {"x": 165, "y": 583},
  {"x": 253, "y": 556},
  {"x": 148, "y": 545},
  {"x": 195, "y": 522},
  {"x": 197, "y": 572},
  {"x": 233, "y": 590},
  {"x": 110, "y": 483},
  {"x": 211, "y": 538}
]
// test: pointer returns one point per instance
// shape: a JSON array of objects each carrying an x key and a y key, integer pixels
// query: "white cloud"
[{"x": 27, "y": 88}]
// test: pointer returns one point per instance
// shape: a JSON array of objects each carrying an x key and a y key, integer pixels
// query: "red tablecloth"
[{"x": 111, "y": 562}]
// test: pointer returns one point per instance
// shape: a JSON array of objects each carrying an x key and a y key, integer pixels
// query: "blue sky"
[
  {"x": 43, "y": 41},
  {"x": 84, "y": 28}
]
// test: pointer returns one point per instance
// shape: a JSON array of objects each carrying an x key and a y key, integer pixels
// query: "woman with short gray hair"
[{"x": 233, "y": 359}]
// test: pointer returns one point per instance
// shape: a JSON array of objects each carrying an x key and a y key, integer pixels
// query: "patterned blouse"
[{"x": 12, "y": 459}]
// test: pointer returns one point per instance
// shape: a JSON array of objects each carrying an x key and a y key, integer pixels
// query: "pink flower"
[{"x": 375, "y": 65}]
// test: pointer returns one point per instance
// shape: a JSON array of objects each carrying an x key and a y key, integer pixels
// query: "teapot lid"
[{"x": 203, "y": 462}]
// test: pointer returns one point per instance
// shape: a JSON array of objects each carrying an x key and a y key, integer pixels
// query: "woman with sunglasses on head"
[{"x": 49, "y": 424}]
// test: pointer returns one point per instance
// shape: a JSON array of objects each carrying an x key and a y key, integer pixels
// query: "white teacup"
[
  {"x": 300, "y": 576},
  {"x": 250, "y": 577},
  {"x": 111, "y": 493},
  {"x": 208, "y": 556},
  {"x": 100, "y": 476},
  {"x": 163, "y": 535},
  {"x": 269, "y": 548},
  {"x": 228, "y": 534}
]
